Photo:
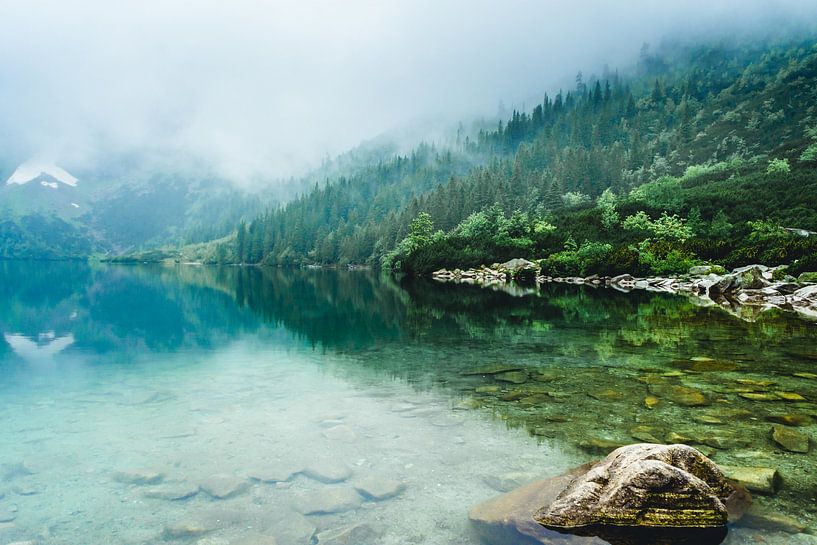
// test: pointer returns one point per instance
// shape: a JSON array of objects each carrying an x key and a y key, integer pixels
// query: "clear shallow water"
[{"x": 113, "y": 374}]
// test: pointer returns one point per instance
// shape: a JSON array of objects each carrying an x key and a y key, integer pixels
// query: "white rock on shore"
[{"x": 745, "y": 291}]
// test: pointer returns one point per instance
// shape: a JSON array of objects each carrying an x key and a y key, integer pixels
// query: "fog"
[{"x": 263, "y": 89}]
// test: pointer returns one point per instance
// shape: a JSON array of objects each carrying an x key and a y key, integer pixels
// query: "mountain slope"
[
  {"x": 680, "y": 108},
  {"x": 119, "y": 206}
]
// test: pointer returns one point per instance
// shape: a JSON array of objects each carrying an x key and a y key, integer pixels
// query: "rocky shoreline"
[{"x": 745, "y": 291}]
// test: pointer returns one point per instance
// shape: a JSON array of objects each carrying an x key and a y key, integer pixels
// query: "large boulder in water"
[
  {"x": 516, "y": 517},
  {"x": 645, "y": 485}
]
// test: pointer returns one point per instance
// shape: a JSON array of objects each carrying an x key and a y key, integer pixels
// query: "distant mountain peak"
[{"x": 47, "y": 173}]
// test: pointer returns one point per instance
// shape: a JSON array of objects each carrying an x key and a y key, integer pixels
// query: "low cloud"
[{"x": 260, "y": 89}]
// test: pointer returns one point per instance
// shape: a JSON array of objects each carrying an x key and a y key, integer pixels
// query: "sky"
[{"x": 262, "y": 89}]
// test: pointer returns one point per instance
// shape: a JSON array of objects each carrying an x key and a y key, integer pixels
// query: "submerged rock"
[
  {"x": 223, "y": 486},
  {"x": 651, "y": 401},
  {"x": 272, "y": 473},
  {"x": 492, "y": 389},
  {"x": 789, "y": 396},
  {"x": 757, "y": 479},
  {"x": 328, "y": 501},
  {"x": 173, "y": 492},
  {"x": 601, "y": 444},
  {"x": 514, "y": 377},
  {"x": 684, "y": 396},
  {"x": 609, "y": 394},
  {"x": 759, "y": 396},
  {"x": 644, "y": 485},
  {"x": 790, "y": 419},
  {"x": 188, "y": 529},
  {"x": 379, "y": 488},
  {"x": 139, "y": 476},
  {"x": 328, "y": 471},
  {"x": 358, "y": 534},
  {"x": 293, "y": 528},
  {"x": 765, "y": 518},
  {"x": 790, "y": 440},
  {"x": 507, "y": 481}
]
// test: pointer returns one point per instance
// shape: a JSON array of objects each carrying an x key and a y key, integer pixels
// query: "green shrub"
[
  {"x": 807, "y": 277},
  {"x": 778, "y": 166},
  {"x": 662, "y": 258},
  {"x": 780, "y": 273}
]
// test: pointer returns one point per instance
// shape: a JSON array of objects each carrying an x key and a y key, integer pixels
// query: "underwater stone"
[
  {"x": 754, "y": 382},
  {"x": 765, "y": 518},
  {"x": 187, "y": 529},
  {"x": 757, "y": 479},
  {"x": 513, "y": 395},
  {"x": 379, "y": 488},
  {"x": 467, "y": 404},
  {"x": 358, "y": 534},
  {"x": 609, "y": 394},
  {"x": 790, "y": 440},
  {"x": 790, "y": 419},
  {"x": 328, "y": 501},
  {"x": 173, "y": 492},
  {"x": 507, "y": 481},
  {"x": 644, "y": 485},
  {"x": 272, "y": 473},
  {"x": 718, "y": 441},
  {"x": 543, "y": 376},
  {"x": 601, "y": 445},
  {"x": 328, "y": 471},
  {"x": 25, "y": 489},
  {"x": 790, "y": 396},
  {"x": 686, "y": 397},
  {"x": 514, "y": 377},
  {"x": 708, "y": 419},
  {"x": 675, "y": 437},
  {"x": 223, "y": 486},
  {"x": 644, "y": 434},
  {"x": 487, "y": 389},
  {"x": 139, "y": 476},
  {"x": 292, "y": 528},
  {"x": 758, "y": 396},
  {"x": 651, "y": 402}
]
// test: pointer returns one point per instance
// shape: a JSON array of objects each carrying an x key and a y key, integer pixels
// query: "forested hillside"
[{"x": 682, "y": 153}]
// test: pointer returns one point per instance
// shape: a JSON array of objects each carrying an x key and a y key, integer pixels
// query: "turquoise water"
[{"x": 153, "y": 404}]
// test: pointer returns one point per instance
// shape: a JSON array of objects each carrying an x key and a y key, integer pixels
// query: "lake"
[{"x": 158, "y": 404}]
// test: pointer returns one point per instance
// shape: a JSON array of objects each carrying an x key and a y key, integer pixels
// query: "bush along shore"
[{"x": 745, "y": 291}]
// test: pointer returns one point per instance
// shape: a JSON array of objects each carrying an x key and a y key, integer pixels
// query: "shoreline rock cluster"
[{"x": 745, "y": 291}]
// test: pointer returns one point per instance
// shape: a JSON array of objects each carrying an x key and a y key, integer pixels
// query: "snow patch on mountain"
[{"x": 32, "y": 170}]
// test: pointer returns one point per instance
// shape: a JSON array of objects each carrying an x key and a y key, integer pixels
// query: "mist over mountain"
[{"x": 258, "y": 92}]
